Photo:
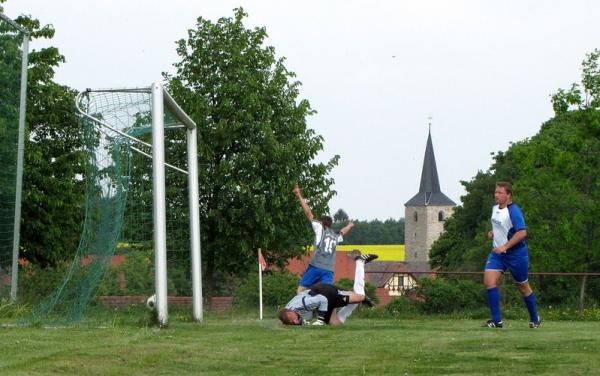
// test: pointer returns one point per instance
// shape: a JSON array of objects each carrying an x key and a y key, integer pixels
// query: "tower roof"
[{"x": 429, "y": 189}]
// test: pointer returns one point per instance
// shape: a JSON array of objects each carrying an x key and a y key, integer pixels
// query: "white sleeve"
[
  {"x": 340, "y": 238},
  {"x": 318, "y": 229}
]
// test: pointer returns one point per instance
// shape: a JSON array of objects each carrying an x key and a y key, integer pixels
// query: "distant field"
[
  {"x": 234, "y": 345},
  {"x": 387, "y": 252}
]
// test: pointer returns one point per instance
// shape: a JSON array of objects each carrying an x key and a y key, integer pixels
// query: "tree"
[
  {"x": 340, "y": 216},
  {"x": 254, "y": 146},
  {"x": 563, "y": 100},
  {"x": 53, "y": 191}
]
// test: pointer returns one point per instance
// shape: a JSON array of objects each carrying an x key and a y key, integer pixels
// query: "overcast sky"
[{"x": 374, "y": 71}]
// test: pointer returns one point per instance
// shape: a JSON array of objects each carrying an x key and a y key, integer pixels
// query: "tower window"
[
  {"x": 441, "y": 216},
  {"x": 416, "y": 217}
]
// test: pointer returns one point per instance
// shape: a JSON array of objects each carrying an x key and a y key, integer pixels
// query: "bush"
[
  {"x": 400, "y": 306},
  {"x": 137, "y": 273},
  {"x": 278, "y": 289},
  {"x": 36, "y": 283},
  {"x": 445, "y": 296}
]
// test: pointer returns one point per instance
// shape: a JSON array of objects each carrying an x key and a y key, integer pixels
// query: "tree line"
[{"x": 389, "y": 231}]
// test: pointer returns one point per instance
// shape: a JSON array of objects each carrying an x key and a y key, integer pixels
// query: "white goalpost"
[{"x": 161, "y": 101}]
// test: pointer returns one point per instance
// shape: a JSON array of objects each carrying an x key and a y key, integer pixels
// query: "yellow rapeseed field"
[{"x": 387, "y": 252}]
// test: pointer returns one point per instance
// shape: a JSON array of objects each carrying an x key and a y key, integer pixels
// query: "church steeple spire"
[{"x": 429, "y": 189}]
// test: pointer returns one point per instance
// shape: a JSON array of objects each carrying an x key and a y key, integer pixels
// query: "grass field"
[{"x": 239, "y": 345}]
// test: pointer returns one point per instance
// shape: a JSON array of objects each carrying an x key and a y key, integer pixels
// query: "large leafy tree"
[
  {"x": 254, "y": 146},
  {"x": 53, "y": 190},
  {"x": 556, "y": 177}
]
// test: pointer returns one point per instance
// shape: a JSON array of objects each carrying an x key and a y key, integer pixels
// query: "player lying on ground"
[{"x": 322, "y": 300}]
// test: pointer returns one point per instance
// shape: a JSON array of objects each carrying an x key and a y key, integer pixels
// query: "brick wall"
[{"x": 383, "y": 295}]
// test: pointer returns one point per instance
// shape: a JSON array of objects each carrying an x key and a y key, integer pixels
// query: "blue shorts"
[
  {"x": 517, "y": 262},
  {"x": 314, "y": 275}
]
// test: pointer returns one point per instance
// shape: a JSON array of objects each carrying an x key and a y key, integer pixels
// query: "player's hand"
[
  {"x": 501, "y": 249},
  {"x": 296, "y": 191},
  {"x": 490, "y": 235}
]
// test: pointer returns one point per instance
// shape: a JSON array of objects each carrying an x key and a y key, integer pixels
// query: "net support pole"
[
  {"x": 159, "y": 208},
  {"x": 192, "y": 152},
  {"x": 19, "y": 177}
]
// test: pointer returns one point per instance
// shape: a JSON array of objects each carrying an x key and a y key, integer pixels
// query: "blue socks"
[
  {"x": 494, "y": 303},
  {"x": 531, "y": 307}
]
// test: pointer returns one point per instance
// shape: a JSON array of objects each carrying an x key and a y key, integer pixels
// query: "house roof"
[{"x": 429, "y": 189}]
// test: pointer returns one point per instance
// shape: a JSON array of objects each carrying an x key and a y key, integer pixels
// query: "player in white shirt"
[{"x": 509, "y": 252}]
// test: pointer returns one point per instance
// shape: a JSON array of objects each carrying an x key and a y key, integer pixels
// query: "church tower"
[{"x": 425, "y": 213}]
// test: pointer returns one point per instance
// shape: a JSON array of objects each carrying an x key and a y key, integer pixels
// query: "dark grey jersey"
[{"x": 326, "y": 241}]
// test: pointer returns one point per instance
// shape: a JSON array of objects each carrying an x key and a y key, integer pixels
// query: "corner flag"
[
  {"x": 262, "y": 265},
  {"x": 261, "y": 261}
]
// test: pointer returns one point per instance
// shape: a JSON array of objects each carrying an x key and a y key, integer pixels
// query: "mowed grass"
[{"x": 238, "y": 345}]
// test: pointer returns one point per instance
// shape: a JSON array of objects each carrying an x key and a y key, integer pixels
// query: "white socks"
[
  {"x": 359, "y": 288},
  {"x": 359, "y": 277}
]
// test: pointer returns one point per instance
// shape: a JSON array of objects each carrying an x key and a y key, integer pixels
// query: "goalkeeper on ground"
[{"x": 323, "y": 300}]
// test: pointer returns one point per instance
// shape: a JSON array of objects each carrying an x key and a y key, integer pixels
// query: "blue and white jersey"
[
  {"x": 326, "y": 241},
  {"x": 505, "y": 223},
  {"x": 306, "y": 305}
]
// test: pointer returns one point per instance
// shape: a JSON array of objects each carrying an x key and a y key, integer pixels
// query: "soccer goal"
[
  {"x": 125, "y": 120},
  {"x": 142, "y": 204}
]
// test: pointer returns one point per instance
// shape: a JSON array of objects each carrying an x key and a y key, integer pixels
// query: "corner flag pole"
[{"x": 262, "y": 265}]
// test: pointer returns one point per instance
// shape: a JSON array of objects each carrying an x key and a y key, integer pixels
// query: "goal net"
[{"x": 141, "y": 231}]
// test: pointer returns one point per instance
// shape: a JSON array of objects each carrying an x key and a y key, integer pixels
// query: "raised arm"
[
  {"x": 307, "y": 211},
  {"x": 346, "y": 229}
]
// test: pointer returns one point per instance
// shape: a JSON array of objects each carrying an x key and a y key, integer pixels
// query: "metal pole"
[
  {"x": 192, "y": 145},
  {"x": 260, "y": 304},
  {"x": 19, "y": 177},
  {"x": 179, "y": 113},
  {"x": 158, "y": 185}
]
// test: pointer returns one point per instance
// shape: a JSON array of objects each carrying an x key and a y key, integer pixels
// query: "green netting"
[
  {"x": 10, "y": 87},
  {"x": 117, "y": 235}
]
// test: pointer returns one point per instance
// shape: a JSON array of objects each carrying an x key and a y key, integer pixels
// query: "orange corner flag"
[{"x": 261, "y": 260}]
